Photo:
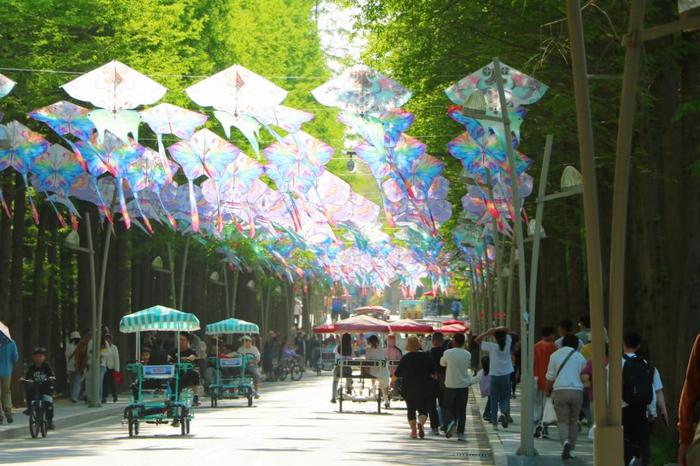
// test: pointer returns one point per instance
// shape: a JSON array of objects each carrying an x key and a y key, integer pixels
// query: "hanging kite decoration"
[{"x": 23, "y": 148}]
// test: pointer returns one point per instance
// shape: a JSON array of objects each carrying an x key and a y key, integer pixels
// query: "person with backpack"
[
  {"x": 565, "y": 385},
  {"x": 637, "y": 393}
]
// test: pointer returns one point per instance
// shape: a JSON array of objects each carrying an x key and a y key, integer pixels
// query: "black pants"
[
  {"x": 435, "y": 401},
  {"x": 109, "y": 385},
  {"x": 416, "y": 403},
  {"x": 636, "y": 433},
  {"x": 455, "y": 407}
]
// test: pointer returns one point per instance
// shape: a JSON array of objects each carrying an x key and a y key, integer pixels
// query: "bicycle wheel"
[
  {"x": 296, "y": 372},
  {"x": 283, "y": 374},
  {"x": 44, "y": 422},
  {"x": 34, "y": 428},
  {"x": 130, "y": 422}
]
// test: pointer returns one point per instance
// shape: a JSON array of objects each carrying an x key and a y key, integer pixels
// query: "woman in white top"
[
  {"x": 500, "y": 370},
  {"x": 380, "y": 374},
  {"x": 564, "y": 382}
]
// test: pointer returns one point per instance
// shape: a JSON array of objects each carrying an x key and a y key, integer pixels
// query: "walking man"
[
  {"x": 543, "y": 351},
  {"x": 637, "y": 393},
  {"x": 457, "y": 362},
  {"x": 8, "y": 358},
  {"x": 436, "y": 401}
]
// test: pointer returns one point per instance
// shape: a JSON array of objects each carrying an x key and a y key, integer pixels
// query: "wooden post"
[
  {"x": 619, "y": 209},
  {"x": 608, "y": 441}
]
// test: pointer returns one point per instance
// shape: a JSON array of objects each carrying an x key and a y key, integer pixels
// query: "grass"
[{"x": 664, "y": 448}]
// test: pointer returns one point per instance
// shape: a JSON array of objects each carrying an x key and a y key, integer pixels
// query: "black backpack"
[{"x": 637, "y": 381}]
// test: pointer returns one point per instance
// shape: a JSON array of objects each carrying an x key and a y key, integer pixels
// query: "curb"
[
  {"x": 500, "y": 457},
  {"x": 20, "y": 428}
]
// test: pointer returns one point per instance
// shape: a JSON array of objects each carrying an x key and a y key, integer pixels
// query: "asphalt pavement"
[{"x": 293, "y": 423}]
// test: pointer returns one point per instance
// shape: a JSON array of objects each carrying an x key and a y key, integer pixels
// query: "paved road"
[{"x": 293, "y": 424}]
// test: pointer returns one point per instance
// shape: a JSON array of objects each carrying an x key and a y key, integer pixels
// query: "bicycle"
[
  {"x": 38, "y": 410},
  {"x": 289, "y": 366}
]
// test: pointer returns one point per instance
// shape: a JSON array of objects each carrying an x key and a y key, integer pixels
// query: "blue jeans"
[
  {"x": 74, "y": 380},
  {"x": 500, "y": 396}
]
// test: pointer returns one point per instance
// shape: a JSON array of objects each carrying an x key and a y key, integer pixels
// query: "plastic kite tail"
[{"x": 4, "y": 205}]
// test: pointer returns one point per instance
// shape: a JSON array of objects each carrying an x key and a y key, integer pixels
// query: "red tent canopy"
[
  {"x": 409, "y": 326},
  {"x": 453, "y": 328},
  {"x": 358, "y": 324},
  {"x": 429, "y": 294},
  {"x": 325, "y": 328},
  {"x": 453, "y": 321}
]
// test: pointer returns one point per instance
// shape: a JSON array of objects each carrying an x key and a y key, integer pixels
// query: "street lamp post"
[
  {"x": 72, "y": 242},
  {"x": 157, "y": 266}
]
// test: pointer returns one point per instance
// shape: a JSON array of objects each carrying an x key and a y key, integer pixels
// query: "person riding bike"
[{"x": 39, "y": 381}]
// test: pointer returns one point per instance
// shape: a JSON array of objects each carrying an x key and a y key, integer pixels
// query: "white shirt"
[
  {"x": 656, "y": 387},
  {"x": 70, "y": 357},
  {"x": 252, "y": 350},
  {"x": 457, "y": 361},
  {"x": 559, "y": 341},
  {"x": 377, "y": 354},
  {"x": 112, "y": 358},
  {"x": 501, "y": 362},
  {"x": 570, "y": 375}
]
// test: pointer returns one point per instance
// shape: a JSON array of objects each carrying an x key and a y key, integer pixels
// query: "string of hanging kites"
[{"x": 312, "y": 212}]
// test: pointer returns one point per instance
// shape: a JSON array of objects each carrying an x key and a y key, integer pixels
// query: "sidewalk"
[
  {"x": 505, "y": 442},
  {"x": 66, "y": 414}
]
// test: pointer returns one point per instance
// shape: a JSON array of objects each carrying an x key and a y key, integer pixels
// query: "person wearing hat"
[
  {"x": 39, "y": 381},
  {"x": 74, "y": 375},
  {"x": 247, "y": 348}
]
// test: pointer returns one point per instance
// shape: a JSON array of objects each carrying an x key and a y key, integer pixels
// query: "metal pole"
[
  {"x": 608, "y": 439},
  {"x": 171, "y": 266},
  {"x": 97, "y": 336},
  {"x": 527, "y": 445},
  {"x": 93, "y": 395},
  {"x": 234, "y": 293},
  {"x": 488, "y": 283},
  {"x": 509, "y": 290},
  {"x": 619, "y": 209},
  {"x": 228, "y": 303},
  {"x": 182, "y": 274},
  {"x": 529, "y": 374}
]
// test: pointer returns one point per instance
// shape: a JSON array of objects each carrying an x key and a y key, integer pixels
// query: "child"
[
  {"x": 39, "y": 381},
  {"x": 485, "y": 386}
]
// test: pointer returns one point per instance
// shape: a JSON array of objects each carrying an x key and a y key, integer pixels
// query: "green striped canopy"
[
  {"x": 159, "y": 318},
  {"x": 231, "y": 326}
]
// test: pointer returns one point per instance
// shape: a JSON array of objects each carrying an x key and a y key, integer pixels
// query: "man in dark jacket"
[{"x": 436, "y": 401}]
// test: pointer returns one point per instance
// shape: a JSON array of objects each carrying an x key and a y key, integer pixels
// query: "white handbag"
[{"x": 549, "y": 416}]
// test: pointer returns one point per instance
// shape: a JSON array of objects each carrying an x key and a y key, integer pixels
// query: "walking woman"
[
  {"x": 418, "y": 373},
  {"x": 500, "y": 370}
]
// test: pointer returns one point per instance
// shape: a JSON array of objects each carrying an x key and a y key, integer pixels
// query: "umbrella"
[
  {"x": 454, "y": 329},
  {"x": 325, "y": 328},
  {"x": 5, "y": 337},
  {"x": 409, "y": 326},
  {"x": 360, "y": 324}
]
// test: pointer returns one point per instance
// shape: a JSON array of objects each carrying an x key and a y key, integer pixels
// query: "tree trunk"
[
  {"x": 38, "y": 295},
  {"x": 5, "y": 251}
]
